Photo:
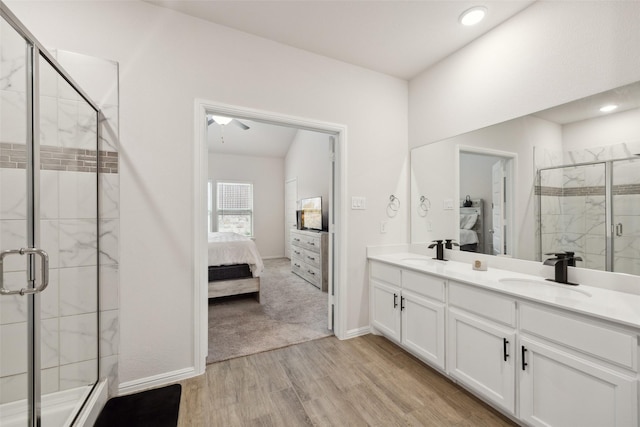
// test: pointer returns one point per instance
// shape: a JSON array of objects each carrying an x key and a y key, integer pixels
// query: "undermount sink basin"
[
  {"x": 545, "y": 288},
  {"x": 418, "y": 262}
]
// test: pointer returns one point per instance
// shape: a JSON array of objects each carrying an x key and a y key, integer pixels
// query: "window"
[{"x": 234, "y": 206}]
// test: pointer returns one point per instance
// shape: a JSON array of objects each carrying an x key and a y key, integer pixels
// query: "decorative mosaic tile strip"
[
  {"x": 14, "y": 156},
  {"x": 586, "y": 191}
]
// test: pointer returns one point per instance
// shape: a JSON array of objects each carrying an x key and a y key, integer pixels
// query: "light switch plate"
[
  {"x": 383, "y": 226},
  {"x": 448, "y": 204},
  {"x": 358, "y": 202}
]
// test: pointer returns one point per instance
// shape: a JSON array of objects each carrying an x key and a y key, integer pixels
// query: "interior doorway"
[
  {"x": 335, "y": 197},
  {"x": 487, "y": 201}
]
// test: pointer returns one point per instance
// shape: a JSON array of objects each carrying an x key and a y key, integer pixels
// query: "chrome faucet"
[
  {"x": 561, "y": 261},
  {"x": 439, "y": 249}
]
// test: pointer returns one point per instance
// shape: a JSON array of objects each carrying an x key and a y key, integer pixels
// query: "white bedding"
[
  {"x": 232, "y": 248},
  {"x": 468, "y": 237}
]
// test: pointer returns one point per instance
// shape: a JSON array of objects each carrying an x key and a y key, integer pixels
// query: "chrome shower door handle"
[{"x": 44, "y": 267}]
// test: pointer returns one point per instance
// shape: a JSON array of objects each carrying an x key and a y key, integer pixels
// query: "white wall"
[
  {"x": 606, "y": 130},
  {"x": 167, "y": 60},
  {"x": 267, "y": 176},
  {"x": 308, "y": 161},
  {"x": 549, "y": 54}
]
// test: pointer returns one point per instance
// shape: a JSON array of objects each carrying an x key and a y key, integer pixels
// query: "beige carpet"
[{"x": 292, "y": 311}]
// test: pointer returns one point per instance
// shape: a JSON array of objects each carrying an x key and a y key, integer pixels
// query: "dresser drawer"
[
  {"x": 296, "y": 240},
  {"x": 297, "y": 266},
  {"x": 588, "y": 336},
  {"x": 312, "y": 258},
  {"x": 311, "y": 243},
  {"x": 297, "y": 252},
  {"x": 484, "y": 303},
  {"x": 312, "y": 274},
  {"x": 423, "y": 284}
]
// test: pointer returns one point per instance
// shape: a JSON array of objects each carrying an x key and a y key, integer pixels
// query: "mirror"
[{"x": 569, "y": 177}]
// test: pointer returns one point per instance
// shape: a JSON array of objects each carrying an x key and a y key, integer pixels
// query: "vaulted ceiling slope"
[{"x": 399, "y": 38}]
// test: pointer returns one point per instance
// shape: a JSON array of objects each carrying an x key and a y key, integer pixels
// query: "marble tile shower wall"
[
  {"x": 573, "y": 205},
  {"x": 68, "y": 230}
]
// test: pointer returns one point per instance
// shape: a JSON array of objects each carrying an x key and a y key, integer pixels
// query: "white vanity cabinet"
[
  {"x": 385, "y": 299},
  {"x": 409, "y": 308},
  {"x": 575, "y": 371},
  {"x": 481, "y": 343},
  {"x": 423, "y": 316}
]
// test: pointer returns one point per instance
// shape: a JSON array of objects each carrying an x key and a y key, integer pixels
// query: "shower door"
[
  {"x": 625, "y": 227},
  {"x": 573, "y": 213},
  {"x": 48, "y": 237}
]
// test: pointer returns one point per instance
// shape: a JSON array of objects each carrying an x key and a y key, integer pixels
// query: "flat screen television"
[{"x": 311, "y": 214}]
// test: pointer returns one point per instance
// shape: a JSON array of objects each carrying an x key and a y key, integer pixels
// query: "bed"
[
  {"x": 471, "y": 227},
  {"x": 234, "y": 264}
]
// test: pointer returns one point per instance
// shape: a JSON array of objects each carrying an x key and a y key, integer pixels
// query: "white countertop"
[{"x": 619, "y": 307}]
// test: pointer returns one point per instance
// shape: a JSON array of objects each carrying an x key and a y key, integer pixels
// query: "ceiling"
[
  {"x": 399, "y": 38},
  {"x": 260, "y": 140},
  {"x": 625, "y": 97}
]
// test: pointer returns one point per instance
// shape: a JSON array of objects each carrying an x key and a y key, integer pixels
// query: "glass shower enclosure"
[
  {"x": 592, "y": 209},
  {"x": 48, "y": 235}
]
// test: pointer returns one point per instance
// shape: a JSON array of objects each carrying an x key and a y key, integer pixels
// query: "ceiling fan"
[{"x": 224, "y": 121}]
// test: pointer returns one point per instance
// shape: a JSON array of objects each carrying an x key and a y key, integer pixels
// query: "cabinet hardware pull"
[
  {"x": 312, "y": 244},
  {"x": 524, "y": 363},
  {"x": 311, "y": 258},
  {"x": 395, "y": 300},
  {"x": 505, "y": 342},
  {"x": 311, "y": 272},
  {"x": 401, "y": 303}
]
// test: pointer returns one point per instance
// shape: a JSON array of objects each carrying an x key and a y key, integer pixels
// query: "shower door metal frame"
[
  {"x": 608, "y": 196},
  {"x": 35, "y": 51}
]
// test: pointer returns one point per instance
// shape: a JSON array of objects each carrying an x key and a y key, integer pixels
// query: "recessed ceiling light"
[
  {"x": 608, "y": 108},
  {"x": 473, "y": 16}
]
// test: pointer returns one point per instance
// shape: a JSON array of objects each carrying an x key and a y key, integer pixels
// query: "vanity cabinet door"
[
  {"x": 560, "y": 389},
  {"x": 385, "y": 309},
  {"x": 480, "y": 354},
  {"x": 423, "y": 327}
]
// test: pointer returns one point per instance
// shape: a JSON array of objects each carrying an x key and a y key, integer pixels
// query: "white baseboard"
[
  {"x": 352, "y": 333},
  {"x": 156, "y": 381}
]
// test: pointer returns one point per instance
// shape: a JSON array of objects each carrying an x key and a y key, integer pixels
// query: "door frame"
[
  {"x": 337, "y": 245},
  {"x": 512, "y": 183},
  {"x": 287, "y": 227}
]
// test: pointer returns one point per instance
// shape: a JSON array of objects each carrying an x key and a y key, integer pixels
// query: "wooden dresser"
[{"x": 309, "y": 257}]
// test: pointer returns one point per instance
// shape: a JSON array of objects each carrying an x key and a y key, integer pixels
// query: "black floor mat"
[{"x": 158, "y": 408}]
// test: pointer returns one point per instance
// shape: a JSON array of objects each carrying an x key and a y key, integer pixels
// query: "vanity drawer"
[
  {"x": 588, "y": 336},
  {"x": 385, "y": 273},
  {"x": 485, "y": 303},
  {"x": 424, "y": 284}
]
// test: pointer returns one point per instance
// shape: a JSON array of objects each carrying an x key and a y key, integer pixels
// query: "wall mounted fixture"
[
  {"x": 424, "y": 206},
  {"x": 473, "y": 16},
  {"x": 393, "y": 206}
]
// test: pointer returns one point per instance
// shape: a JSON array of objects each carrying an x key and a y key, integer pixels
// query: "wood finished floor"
[{"x": 327, "y": 382}]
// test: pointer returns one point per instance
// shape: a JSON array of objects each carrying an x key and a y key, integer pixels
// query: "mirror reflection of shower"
[{"x": 592, "y": 209}]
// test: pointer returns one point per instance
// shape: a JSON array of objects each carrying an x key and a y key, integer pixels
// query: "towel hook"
[
  {"x": 394, "y": 203},
  {"x": 424, "y": 206}
]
